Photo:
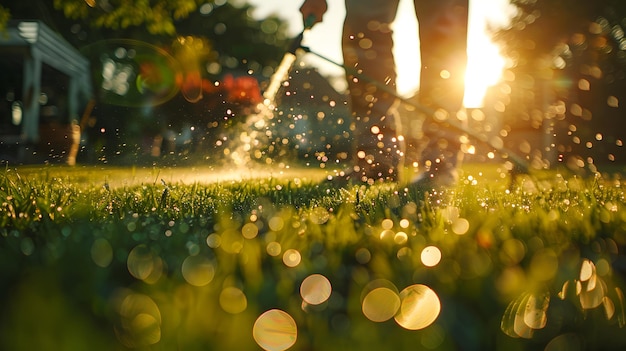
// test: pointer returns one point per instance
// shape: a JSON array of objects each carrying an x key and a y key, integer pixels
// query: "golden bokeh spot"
[
  {"x": 460, "y": 226},
  {"x": 431, "y": 256},
  {"x": 292, "y": 258},
  {"x": 273, "y": 249},
  {"x": 276, "y": 223},
  {"x": 587, "y": 270},
  {"x": 138, "y": 321},
  {"x": 387, "y": 235},
  {"x": 101, "y": 252},
  {"x": 315, "y": 289},
  {"x": 381, "y": 304},
  {"x": 249, "y": 230},
  {"x": 420, "y": 306},
  {"x": 233, "y": 300},
  {"x": 275, "y": 330},
  {"x": 198, "y": 270},
  {"x": 584, "y": 85},
  {"x": 613, "y": 101},
  {"x": 140, "y": 262},
  {"x": 214, "y": 240},
  {"x": 387, "y": 223},
  {"x": 232, "y": 241},
  {"x": 400, "y": 238}
]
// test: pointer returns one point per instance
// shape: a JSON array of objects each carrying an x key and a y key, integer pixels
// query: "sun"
[{"x": 485, "y": 62}]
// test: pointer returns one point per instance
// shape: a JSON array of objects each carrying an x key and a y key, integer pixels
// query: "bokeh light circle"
[
  {"x": 292, "y": 258},
  {"x": 132, "y": 73},
  {"x": 102, "y": 252},
  {"x": 138, "y": 319},
  {"x": 419, "y": 308},
  {"x": 315, "y": 289},
  {"x": 198, "y": 270},
  {"x": 381, "y": 304},
  {"x": 140, "y": 262},
  {"x": 460, "y": 226},
  {"x": 233, "y": 300},
  {"x": 275, "y": 330},
  {"x": 431, "y": 256}
]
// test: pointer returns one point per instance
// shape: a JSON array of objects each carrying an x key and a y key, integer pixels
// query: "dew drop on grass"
[{"x": 275, "y": 330}]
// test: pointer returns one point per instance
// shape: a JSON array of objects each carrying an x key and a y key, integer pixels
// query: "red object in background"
[{"x": 235, "y": 90}]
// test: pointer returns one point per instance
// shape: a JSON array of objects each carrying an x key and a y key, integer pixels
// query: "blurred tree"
[
  {"x": 235, "y": 45},
  {"x": 569, "y": 64},
  {"x": 157, "y": 16}
]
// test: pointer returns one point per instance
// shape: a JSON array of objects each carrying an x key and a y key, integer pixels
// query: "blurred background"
[{"x": 181, "y": 81}]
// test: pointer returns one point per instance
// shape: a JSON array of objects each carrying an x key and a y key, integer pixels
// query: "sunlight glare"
[{"x": 485, "y": 63}]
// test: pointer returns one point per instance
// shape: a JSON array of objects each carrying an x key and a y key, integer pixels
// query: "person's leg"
[
  {"x": 443, "y": 46},
  {"x": 367, "y": 49}
]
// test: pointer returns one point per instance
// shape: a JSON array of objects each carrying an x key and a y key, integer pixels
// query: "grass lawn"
[{"x": 194, "y": 258}]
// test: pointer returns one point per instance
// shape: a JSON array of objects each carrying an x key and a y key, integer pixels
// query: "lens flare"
[
  {"x": 132, "y": 73},
  {"x": 189, "y": 52}
]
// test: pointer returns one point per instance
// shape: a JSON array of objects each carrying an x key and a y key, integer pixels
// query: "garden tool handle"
[{"x": 309, "y": 21}]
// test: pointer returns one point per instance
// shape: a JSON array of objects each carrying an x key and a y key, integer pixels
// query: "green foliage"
[
  {"x": 157, "y": 16},
  {"x": 97, "y": 248},
  {"x": 5, "y": 15}
]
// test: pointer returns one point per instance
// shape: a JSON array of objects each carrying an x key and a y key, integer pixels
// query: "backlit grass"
[{"x": 135, "y": 258}]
